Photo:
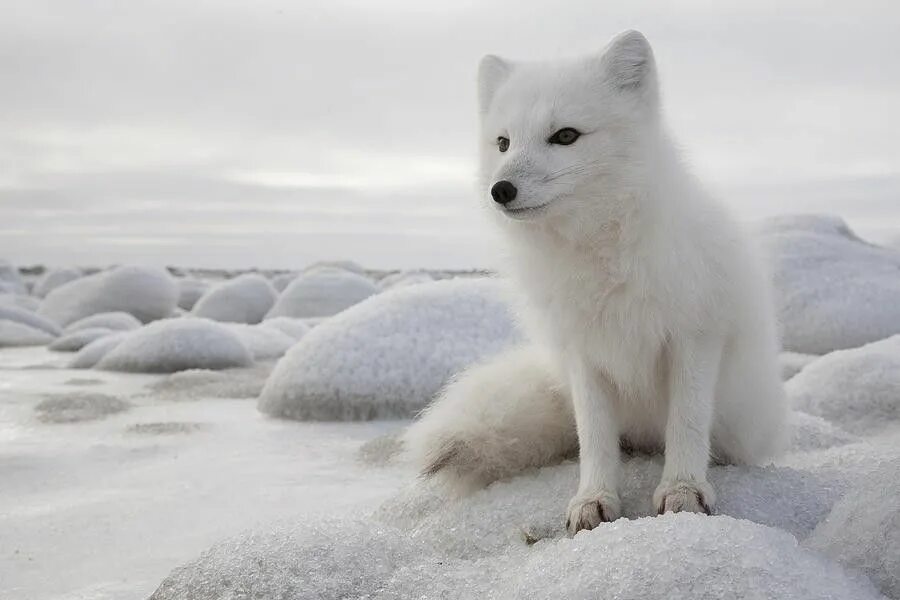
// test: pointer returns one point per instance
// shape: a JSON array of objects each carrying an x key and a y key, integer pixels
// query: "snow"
[
  {"x": 26, "y": 317},
  {"x": 857, "y": 390},
  {"x": 15, "y": 333},
  {"x": 190, "y": 290},
  {"x": 321, "y": 293},
  {"x": 244, "y": 299},
  {"x": 834, "y": 291},
  {"x": 387, "y": 357},
  {"x": 117, "y": 321},
  {"x": 54, "y": 278},
  {"x": 11, "y": 281},
  {"x": 76, "y": 340},
  {"x": 177, "y": 344},
  {"x": 147, "y": 293}
]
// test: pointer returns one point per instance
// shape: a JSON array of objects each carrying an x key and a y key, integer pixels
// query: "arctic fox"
[{"x": 650, "y": 317}]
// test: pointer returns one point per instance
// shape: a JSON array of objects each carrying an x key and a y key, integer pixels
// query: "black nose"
[{"x": 503, "y": 192}]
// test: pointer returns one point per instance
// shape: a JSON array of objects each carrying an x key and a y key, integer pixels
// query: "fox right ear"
[{"x": 492, "y": 72}]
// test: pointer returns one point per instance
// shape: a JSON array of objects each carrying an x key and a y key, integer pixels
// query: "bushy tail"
[{"x": 498, "y": 418}]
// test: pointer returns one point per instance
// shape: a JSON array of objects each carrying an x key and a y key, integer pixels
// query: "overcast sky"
[{"x": 273, "y": 133}]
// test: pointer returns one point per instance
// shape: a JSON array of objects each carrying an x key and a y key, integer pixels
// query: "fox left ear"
[{"x": 628, "y": 63}]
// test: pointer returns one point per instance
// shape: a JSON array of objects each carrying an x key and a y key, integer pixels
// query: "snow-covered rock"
[
  {"x": 322, "y": 293},
  {"x": 863, "y": 529},
  {"x": 16, "y": 333},
  {"x": 834, "y": 291},
  {"x": 148, "y": 293},
  {"x": 190, "y": 290},
  {"x": 244, "y": 299},
  {"x": 175, "y": 345},
  {"x": 54, "y": 278},
  {"x": 857, "y": 390},
  {"x": 74, "y": 341},
  {"x": 296, "y": 328},
  {"x": 90, "y": 355},
  {"x": 27, "y": 317},
  {"x": 117, "y": 321},
  {"x": 11, "y": 281},
  {"x": 388, "y": 356},
  {"x": 264, "y": 343},
  {"x": 19, "y": 300}
]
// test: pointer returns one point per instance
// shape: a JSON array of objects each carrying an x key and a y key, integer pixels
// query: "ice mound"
[
  {"x": 15, "y": 334},
  {"x": 404, "y": 278},
  {"x": 19, "y": 301},
  {"x": 296, "y": 328},
  {"x": 175, "y": 345},
  {"x": 90, "y": 355},
  {"x": 54, "y": 278},
  {"x": 145, "y": 292},
  {"x": 117, "y": 321},
  {"x": 78, "y": 339},
  {"x": 26, "y": 317},
  {"x": 835, "y": 291},
  {"x": 199, "y": 383},
  {"x": 264, "y": 343},
  {"x": 507, "y": 542},
  {"x": 11, "y": 281},
  {"x": 863, "y": 529},
  {"x": 387, "y": 356},
  {"x": 858, "y": 389},
  {"x": 190, "y": 290},
  {"x": 73, "y": 408},
  {"x": 244, "y": 299},
  {"x": 321, "y": 293}
]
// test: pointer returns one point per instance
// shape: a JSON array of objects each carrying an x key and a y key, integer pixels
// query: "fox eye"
[
  {"x": 564, "y": 137},
  {"x": 503, "y": 143}
]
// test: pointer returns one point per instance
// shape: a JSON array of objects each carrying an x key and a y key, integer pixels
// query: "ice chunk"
[
  {"x": 177, "y": 344},
  {"x": 857, "y": 389},
  {"x": 91, "y": 354},
  {"x": 14, "y": 333},
  {"x": 244, "y": 299},
  {"x": 26, "y": 317},
  {"x": 863, "y": 529},
  {"x": 117, "y": 321},
  {"x": 147, "y": 293},
  {"x": 321, "y": 293},
  {"x": 54, "y": 278},
  {"x": 387, "y": 356},
  {"x": 78, "y": 339},
  {"x": 835, "y": 291},
  {"x": 190, "y": 290}
]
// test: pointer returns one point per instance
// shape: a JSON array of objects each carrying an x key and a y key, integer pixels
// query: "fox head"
[{"x": 566, "y": 140}]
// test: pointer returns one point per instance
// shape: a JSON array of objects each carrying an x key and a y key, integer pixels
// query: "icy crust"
[
  {"x": 322, "y": 292},
  {"x": 145, "y": 292},
  {"x": 857, "y": 390},
  {"x": 387, "y": 357},
  {"x": 175, "y": 345},
  {"x": 244, "y": 299},
  {"x": 507, "y": 542},
  {"x": 834, "y": 291}
]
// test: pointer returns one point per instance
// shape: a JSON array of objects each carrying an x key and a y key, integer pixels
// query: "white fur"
[{"x": 646, "y": 295}]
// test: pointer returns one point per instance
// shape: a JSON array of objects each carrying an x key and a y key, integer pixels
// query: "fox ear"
[
  {"x": 628, "y": 62},
  {"x": 492, "y": 72}
]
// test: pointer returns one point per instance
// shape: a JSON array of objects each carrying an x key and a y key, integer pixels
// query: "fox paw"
[
  {"x": 684, "y": 496},
  {"x": 586, "y": 511}
]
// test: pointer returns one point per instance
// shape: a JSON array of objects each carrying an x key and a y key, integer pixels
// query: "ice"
[
  {"x": 244, "y": 299},
  {"x": 54, "y": 278},
  {"x": 863, "y": 529},
  {"x": 793, "y": 362},
  {"x": 834, "y": 291},
  {"x": 190, "y": 290},
  {"x": 91, "y": 354},
  {"x": 78, "y": 339},
  {"x": 18, "y": 300},
  {"x": 857, "y": 390},
  {"x": 15, "y": 333},
  {"x": 177, "y": 344},
  {"x": 263, "y": 342},
  {"x": 148, "y": 293},
  {"x": 117, "y": 321},
  {"x": 26, "y": 317},
  {"x": 296, "y": 328},
  {"x": 11, "y": 281},
  {"x": 386, "y": 357},
  {"x": 322, "y": 292},
  {"x": 72, "y": 408}
]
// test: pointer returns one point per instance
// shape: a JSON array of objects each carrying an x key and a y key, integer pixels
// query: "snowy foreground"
[{"x": 178, "y": 438}]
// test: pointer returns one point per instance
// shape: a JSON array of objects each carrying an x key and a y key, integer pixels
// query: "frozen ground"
[{"x": 105, "y": 508}]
